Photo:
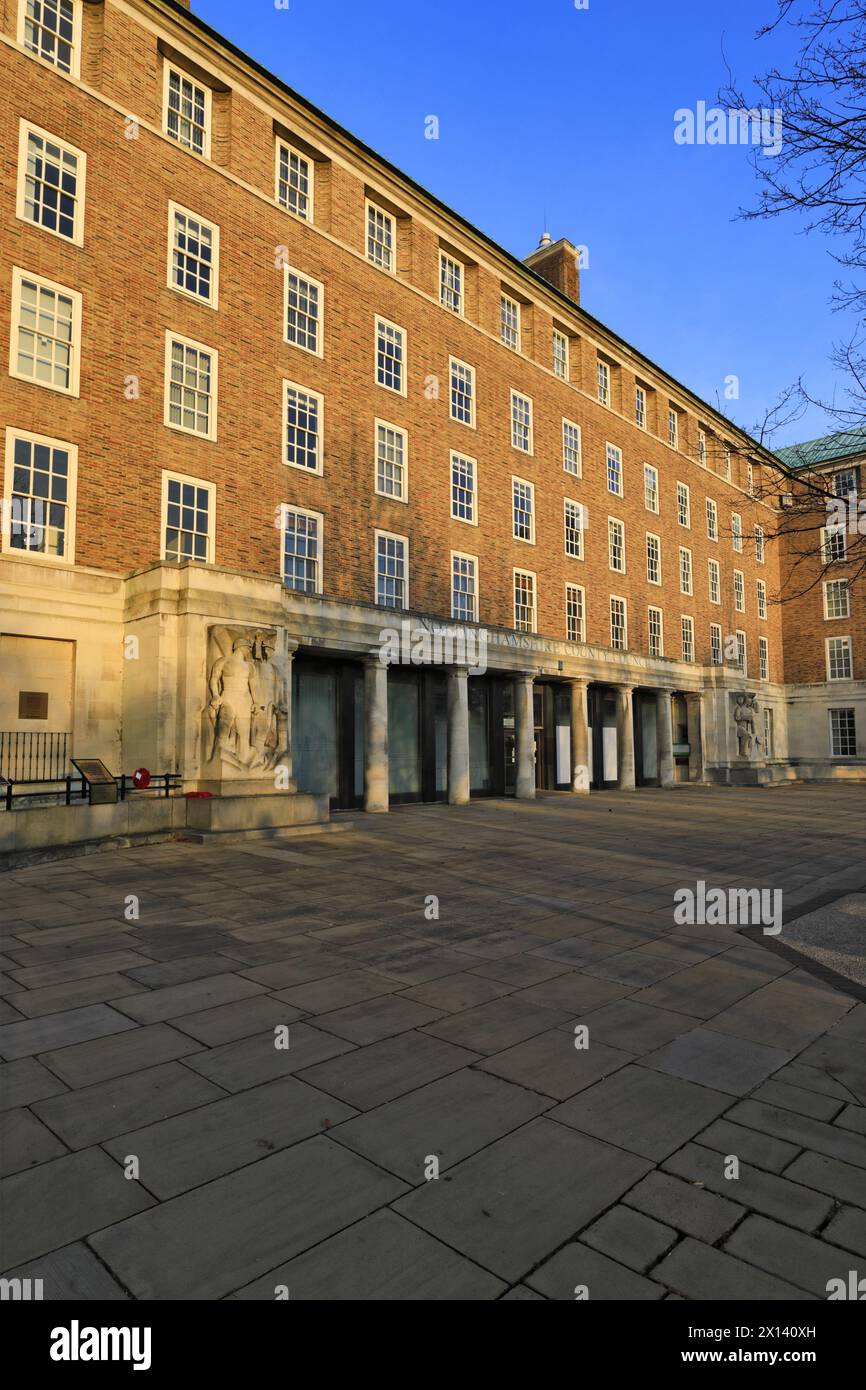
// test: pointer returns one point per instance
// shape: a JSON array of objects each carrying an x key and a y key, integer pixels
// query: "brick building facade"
[{"x": 266, "y": 395}]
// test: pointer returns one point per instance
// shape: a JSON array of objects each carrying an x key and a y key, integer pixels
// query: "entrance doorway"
[{"x": 604, "y": 763}]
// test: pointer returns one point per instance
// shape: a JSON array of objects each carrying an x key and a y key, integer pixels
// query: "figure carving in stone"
[
  {"x": 232, "y": 701},
  {"x": 247, "y": 711},
  {"x": 745, "y": 719},
  {"x": 270, "y": 711}
]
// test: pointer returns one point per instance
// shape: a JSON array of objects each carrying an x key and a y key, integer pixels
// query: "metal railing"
[
  {"x": 33, "y": 756},
  {"x": 76, "y": 788}
]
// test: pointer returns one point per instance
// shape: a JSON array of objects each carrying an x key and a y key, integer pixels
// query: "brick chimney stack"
[{"x": 556, "y": 261}]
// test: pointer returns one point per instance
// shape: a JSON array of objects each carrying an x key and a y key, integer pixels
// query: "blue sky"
[{"x": 552, "y": 113}]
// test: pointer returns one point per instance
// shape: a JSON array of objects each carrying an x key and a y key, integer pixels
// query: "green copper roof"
[{"x": 831, "y": 446}]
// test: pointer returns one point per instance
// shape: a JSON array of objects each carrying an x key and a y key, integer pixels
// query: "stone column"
[
  {"x": 625, "y": 738},
  {"x": 579, "y": 738},
  {"x": 375, "y": 735},
  {"x": 665, "y": 736},
  {"x": 458, "y": 736},
  {"x": 524, "y": 731},
  {"x": 694, "y": 707}
]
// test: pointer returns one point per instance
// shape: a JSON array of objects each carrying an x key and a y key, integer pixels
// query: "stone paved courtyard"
[{"x": 149, "y": 1045}]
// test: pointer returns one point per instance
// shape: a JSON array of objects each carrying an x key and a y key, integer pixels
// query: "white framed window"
[
  {"x": 763, "y": 659},
  {"x": 837, "y": 601},
  {"x": 843, "y": 733},
  {"x": 673, "y": 429},
  {"x": 51, "y": 183},
  {"x": 737, "y": 532},
  {"x": 618, "y": 623},
  {"x": 616, "y": 545},
  {"x": 193, "y": 255},
  {"x": 614, "y": 469},
  {"x": 187, "y": 111},
  {"x": 560, "y": 355},
  {"x": 834, "y": 545},
  {"x": 640, "y": 407},
  {"x": 742, "y": 654},
  {"x": 715, "y": 581},
  {"x": 303, "y": 420},
  {"x": 575, "y": 613},
  {"x": 655, "y": 631},
  {"x": 464, "y": 587},
  {"x": 524, "y": 601},
  {"x": 392, "y": 462},
  {"x": 653, "y": 559},
  {"x": 38, "y": 516},
  {"x": 685, "y": 570},
  {"x": 845, "y": 483},
  {"x": 739, "y": 592},
  {"x": 650, "y": 488},
  {"x": 188, "y": 517},
  {"x": 603, "y": 382},
  {"x": 684, "y": 506},
  {"x": 702, "y": 446},
  {"x": 295, "y": 182},
  {"x": 759, "y": 544},
  {"x": 712, "y": 520},
  {"x": 303, "y": 311},
  {"x": 761, "y": 591},
  {"x": 462, "y": 392},
  {"x": 687, "y": 628},
  {"x": 521, "y": 423},
  {"x": 509, "y": 321},
  {"x": 52, "y": 30},
  {"x": 715, "y": 644},
  {"x": 574, "y": 528},
  {"x": 390, "y": 356},
  {"x": 464, "y": 488},
  {"x": 571, "y": 448},
  {"x": 839, "y": 665},
  {"x": 190, "y": 386},
  {"x": 381, "y": 238},
  {"x": 728, "y": 461},
  {"x": 450, "y": 283},
  {"x": 392, "y": 570},
  {"x": 45, "y": 345},
  {"x": 523, "y": 509},
  {"x": 301, "y": 549}
]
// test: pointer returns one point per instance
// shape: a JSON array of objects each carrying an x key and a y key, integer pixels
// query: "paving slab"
[
  {"x": 636, "y": 1028},
  {"x": 551, "y": 1064},
  {"x": 839, "y": 1180},
  {"x": 803, "y": 1131},
  {"x": 577, "y": 1268},
  {"x": 455, "y": 993},
  {"x": 86, "y": 1063},
  {"x": 705, "y": 989},
  {"x": 59, "y": 1030},
  {"x": 685, "y": 1206},
  {"x": 175, "y": 1001},
  {"x": 784, "y": 1013},
  {"x": 783, "y": 1198},
  {"x": 643, "y": 1111},
  {"x": 848, "y": 1230},
  {"x": 255, "y": 1060},
  {"x": 25, "y": 1141},
  {"x": 791, "y": 1255},
  {"x": 382, "y": 1257},
  {"x": 23, "y": 1082},
  {"x": 94, "y": 1113},
  {"x": 574, "y": 992},
  {"x": 721, "y": 1061},
  {"x": 375, "y": 1019},
  {"x": 71, "y": 1275},
  {"x": 220, "y": 1237},
  {"x": 372, "y": 1075},
  {"x": 761, "y": 1150},
  {"x": 801, "y": 1101},
  {"x": 450, "y": 1119},
  {"x": 516, "y": 1201},
  {"x": 38, "y": 1215},
  {"x": 229, "y": 1022},
  {"x": 630, "y": 1237},
  {"x": 339, "y": 991},
  {"x": 189, "y": 1149},
  {"x": 701, "y": 1272}
]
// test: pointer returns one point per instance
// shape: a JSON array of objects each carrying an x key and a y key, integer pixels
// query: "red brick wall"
[{"x": 121, "y": 273}]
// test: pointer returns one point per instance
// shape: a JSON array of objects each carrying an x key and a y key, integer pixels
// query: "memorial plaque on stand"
[{"x": 101, "y": 786}]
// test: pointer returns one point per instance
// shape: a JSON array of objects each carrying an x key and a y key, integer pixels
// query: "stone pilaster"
[{"x": 375, "y": 735}]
